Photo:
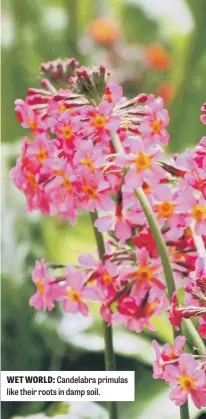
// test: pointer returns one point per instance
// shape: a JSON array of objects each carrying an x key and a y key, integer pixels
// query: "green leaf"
[{"x": 185, "y": 126}]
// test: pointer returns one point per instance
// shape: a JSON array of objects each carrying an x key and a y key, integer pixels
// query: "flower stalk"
[
  {"x": 108, "y": 335},
  {"x": 184, "y": 411}
]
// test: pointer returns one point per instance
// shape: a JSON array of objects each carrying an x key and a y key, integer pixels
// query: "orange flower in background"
[
  {"x": 157, "y": 57},
  {"x": 104, "y": 31},
  {"x": 167, "y": 91}
]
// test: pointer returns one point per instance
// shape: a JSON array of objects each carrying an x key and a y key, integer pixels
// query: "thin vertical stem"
[
  {"x": 108, "y": 338},
  {"x": 184, "y": 411}
]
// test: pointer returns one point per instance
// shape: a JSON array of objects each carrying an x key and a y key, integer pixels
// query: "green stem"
[
  {"x": 108, "y": 339},
  {"x": 162, "y": 248},
  {"x": 192, "y": 333},
  {"x": 184, "y": 411}
]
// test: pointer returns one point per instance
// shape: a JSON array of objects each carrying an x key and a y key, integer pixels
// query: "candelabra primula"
[{"x": 73, "y": 164}]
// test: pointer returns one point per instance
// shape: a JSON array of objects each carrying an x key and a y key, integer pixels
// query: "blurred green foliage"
[{"x": 36, "y": 341}]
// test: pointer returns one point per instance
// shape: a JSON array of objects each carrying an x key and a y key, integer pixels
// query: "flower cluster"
[
  {"x": 195, "y": 299},
  {"x": 182, "y": 372},
  {"x": 72, "y": 164}
]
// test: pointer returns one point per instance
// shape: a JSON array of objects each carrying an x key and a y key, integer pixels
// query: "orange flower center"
[
  {"x": 172, "y": 355},
  {"x": 142, "y": 161},
  {"x": 42, "y": 155},
  {"x": 88, "y": 162},
  {"x": 199, "y": 212},
  {"x": 32, "y": 180},
  {"x": 149, "y": 308},
  {"x": 156, "y": 126},
  {"x": 74, "y": 295},
  {"x": 166, "y": 209},
  {"x": 107, "y": 279},
  {"x": 90, "y": 191},
  {"x": 62, "y": 108},
  {"x": 108, "y": 97},
  {"x": 99, "y": 121},
  {"x": 144, "y": 274},
  {"x": 67, "y": 132},
  {"x": 40, "y": 286},
  {"x": 33, "y": 125},
  {"x": 67, "y": 184},
  {"x": 186, "y": 382}
]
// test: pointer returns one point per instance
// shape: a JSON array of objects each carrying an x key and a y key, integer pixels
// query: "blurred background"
[{"x": 153, "y": 46}]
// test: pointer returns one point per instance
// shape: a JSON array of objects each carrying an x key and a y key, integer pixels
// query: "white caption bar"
[{"x": 67, "y": 386}]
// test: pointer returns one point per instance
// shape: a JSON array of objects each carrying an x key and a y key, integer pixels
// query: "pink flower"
[
  {"x": 193, "y": 163},
  {"x": 167, "y": 355},
  {"x": 175, "y": 313},
  {"x": 154, "y": 191},
  {"x": 146, "y": 273},
  {"x": 136, "y": 311},
  {"x": 102, "y": 278},
  {"x": 41, "y": 149},
  {"x": 88, "y": 155},
  {"x": 101, "y": 121},
  {"x": 93, "y": 191},
  {"x": 74, "y": 294},
  {"x": 67, "y": 128},
  {"x": 113, "y": 93},
  {"x": 29, "y": 118},
  {"x": 152, "y": 126},
  {"x": 170, "y": 210},
  {"x": 203, "y": 116},
  {"x": 202, "y": 326},
  {"x": 186, "y": 379},
  {"x": 47, "y": 290},
  {"x": 141, "y": 160},
  {"x": 121, "y": 221},
  {"x": 118, "y": 223},
  {"x": 61, "y": 189}
]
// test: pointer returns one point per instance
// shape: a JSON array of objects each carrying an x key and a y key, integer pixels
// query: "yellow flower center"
[
  {"x": 67, "y": 184},
  {"x": 62, "y": 108},
  {"x": 142, "y": 161},
  {"x": 88, "y": 162},
  {"x": 40, "y": 286},
  {"x": 199, "y": 212},
  {"x": 42, "y": 155},
  {"x": 90, "y": 191},
  {"x": 107, "y": 279},
  {"x": 99, "y": 121},
  {"x": 144, "y": 274},
  {"x": 32, "y": 180},
  {"x": 149, "y": 308},
  {"x": 108, "y": 97},
  {"x": 67, "y": 132},
  {"x": 74, "y": 295},
  {"x": 33, "y": 125},
  {"x": 172, "y": 355},
  {"x": 156, "y": 126},
  {"x": 186, "y": 382},
  {"x": 166, "y": 209}
]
